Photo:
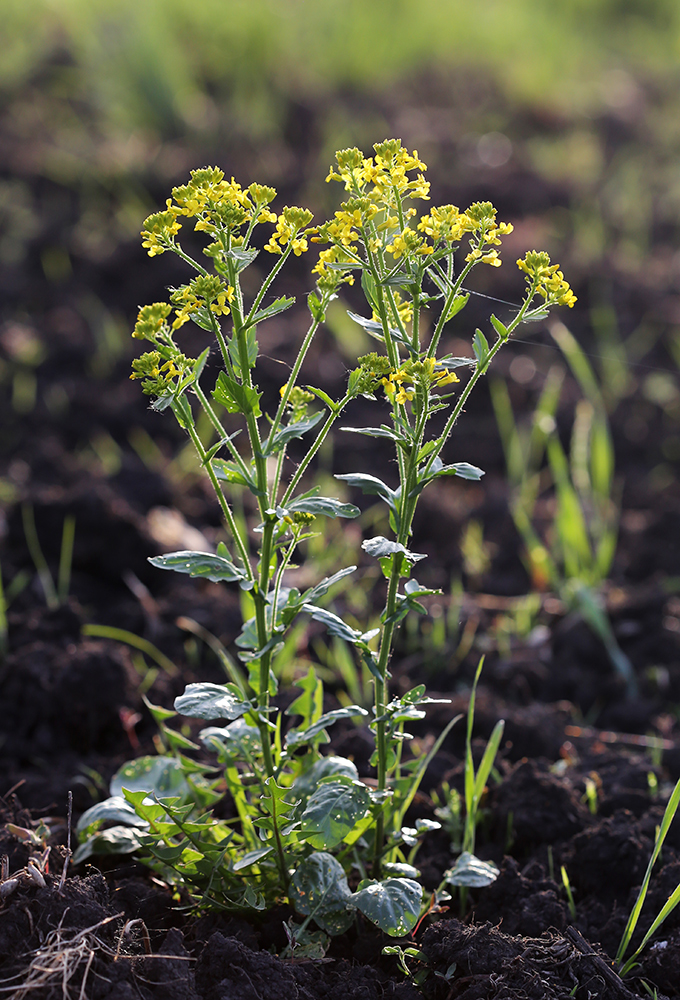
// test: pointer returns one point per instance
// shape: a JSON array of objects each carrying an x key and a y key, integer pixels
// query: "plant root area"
[{"x": 584, "y": 769}]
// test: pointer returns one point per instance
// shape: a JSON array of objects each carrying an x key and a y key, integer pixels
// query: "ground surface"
[{"x": 78, "y": 439}]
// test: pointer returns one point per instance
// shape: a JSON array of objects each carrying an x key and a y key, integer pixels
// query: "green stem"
[
  {"x": 318, "y": 441},
  {"x": 188, "y": 420}
]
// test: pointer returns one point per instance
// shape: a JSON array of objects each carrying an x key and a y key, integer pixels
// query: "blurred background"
[{"x": 566, "y": 116}]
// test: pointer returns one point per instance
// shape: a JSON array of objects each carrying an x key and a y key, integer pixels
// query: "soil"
[{"x": 584, "y": 770}]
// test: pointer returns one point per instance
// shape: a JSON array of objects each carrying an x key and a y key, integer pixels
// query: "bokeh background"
[{"x": 566, "y": 116}]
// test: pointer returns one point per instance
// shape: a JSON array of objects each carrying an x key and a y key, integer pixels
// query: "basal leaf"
[
  {"x": 332, "y": 811},
  {"x": 470, "y": 871},
  {"x": 324, "y": 768},
  {"x": 393, "y": 904},
  {"x": 319, "y": 887},
  {"x": 159, "y": 776},
  {"x": 201, "y": 564},
  {"x": 210, "y": 701},
  {"x": 115, "y": 840},
  {"x": 113, "y": 810}
]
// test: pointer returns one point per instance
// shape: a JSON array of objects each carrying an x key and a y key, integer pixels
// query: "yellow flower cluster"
[
  {"x": 151, "y": 321},
  {"x": 547, "y": 278},
  {"x": 217, "y": 204},
  {"x": 205, "y": 291},
  {"x": 160, "y": 230},
  {"x": 448, "y": 225},
  {"x": 288, "y": 227},
  {"x": 160, "y": 375},
  {"x": 387, "y": 172},
  {"x": 428, "y": 374}
]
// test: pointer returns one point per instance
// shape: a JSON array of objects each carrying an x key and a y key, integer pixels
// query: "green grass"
[{"x": 151, "y": 62}]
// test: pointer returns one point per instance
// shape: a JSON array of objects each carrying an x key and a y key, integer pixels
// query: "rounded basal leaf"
[
  {"x": 394, "y": 904},
  {"x": 319, "y": 887},
  {"x": 210, "y": 701},
  {"x": 159, "y": 776},
  {"x": 471, "y": 872},
  {"x": 116, "y": 840},
  {"x": 332, "y": 811},
  {"x": 307, "y": 783},
  {"x": 237, "y": 740},
  {"x": 113, "y": 810}
]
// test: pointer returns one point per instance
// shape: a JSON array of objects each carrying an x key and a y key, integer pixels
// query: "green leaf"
[
  {"x": 236, "y": 398},
  {"x": 237, "y": 741},
  {"x": 336, "y": 626},
  {"x": 380, "y": 547},
  {"x": 323, "y": 396},
  {"x": 200, "y": 362},
  {"x": 251, "y": 858},
  {"x": 324, "y": 768},
  {"x": 115, "y": 840},
  {"x": 210, "y": 701},
  {"x": 371, "y": 485},
  {"x": 319, "y": 888},
  {"x": 462, "y": 469},
  {"x": 113, "y": 810},
  {"x": 333, "y": 810},
  {"x": 230, "y": 472},
  {"x": 273, "y": 445},
  {"x": 499, "y": 327},
  {"x": 316, "y": 307},
  {"x": 235, "y": 351},
  {"x": 201, "y": 564},
  {"x": 326, "y": 506},
  {"x": 459, "y": 302},
  {"x": 297, "y": 736},
  {"x": 324, "y": 585},
  {"x": 394, "y": 904},
  {"x": 309, "y": 704},
  {"x": 159, "y": 776},
  {"x": 370, "y": 290},
  {"x": 376, "y": 432},
  {"x": 278, "y": 306},
  {"x": 242, "y": 258},
  {"x": 471, "y": 872},
  {"x": 480, "y": 346}
]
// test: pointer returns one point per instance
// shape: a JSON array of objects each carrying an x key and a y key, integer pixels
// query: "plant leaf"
[
  {"x": 201, "y": 564},
  {"x": 471, "y": 872},
  {"x": 159, "y": 776},
  {"x": 297, "y": 736},
  {"x": 273, "y": 445},
  {"x": 380, "y": 547},
  {"x": 394, "y": 904},
  {"x": 210, "y": 701},
  {"x": 326, "y": 506},
  {"x": 277, "y": 306},
  {"x": 319, "y": 887},
  {"x": 236, "y": 398},
  {"x": 333, "y": 810},
  {"x": 115, "y": 840},
  {"x": 113, "y": 810}
]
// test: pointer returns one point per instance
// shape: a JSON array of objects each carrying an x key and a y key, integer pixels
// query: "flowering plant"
[{"x": 303, "y": 818}]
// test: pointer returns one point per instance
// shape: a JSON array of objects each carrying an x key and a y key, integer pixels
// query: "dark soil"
[{"x": 78, "y": 439}]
